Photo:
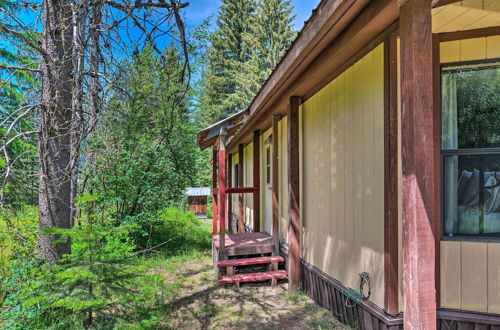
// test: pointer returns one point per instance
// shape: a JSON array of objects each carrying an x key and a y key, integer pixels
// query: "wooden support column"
[
  {"x": 391, "y": 195},
  {"x": 275, "y": 184},
  {"x": 256, "y": 181},
  {"x": 230, "y": 197},
  {"x": 418, "y": 165},
  {"x": 222, "y": 196},
  {"x": 294, "y": 239},
  {"x": 241, "y": 211},
  {"x": 214, "y": 193},
  {"x": 436, "y": 79}
]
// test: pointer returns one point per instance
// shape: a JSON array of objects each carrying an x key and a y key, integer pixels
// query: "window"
[
  {"x": 268, "y": 165},
  {"x": 470, "y": 149}
]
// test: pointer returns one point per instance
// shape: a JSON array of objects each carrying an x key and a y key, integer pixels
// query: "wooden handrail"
[{"x": 242, "y": 190}]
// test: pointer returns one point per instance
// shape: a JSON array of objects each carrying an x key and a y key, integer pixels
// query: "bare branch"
[
  {"x": 18, "y": 136},
  {"x": 19, "y": 68},
  {"x": 22, "y": 37},
  {"x": 138, "y": 5}
]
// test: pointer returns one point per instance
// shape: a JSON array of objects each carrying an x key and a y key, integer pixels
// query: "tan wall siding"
[
  {"x": 470, "y": 271},
  {"x": 470, "y": 276},
  {"x": 265, "y": 189},
  {"x": 283, "y": 179},
  {"x": 466, "y": 15},
  {"x": 343, "y": 175}
]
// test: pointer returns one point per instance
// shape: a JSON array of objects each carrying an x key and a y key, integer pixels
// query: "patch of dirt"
[{"x": 202, "y": 304}]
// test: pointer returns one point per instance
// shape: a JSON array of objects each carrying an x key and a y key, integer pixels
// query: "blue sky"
[{"x": 198, "y": 10}]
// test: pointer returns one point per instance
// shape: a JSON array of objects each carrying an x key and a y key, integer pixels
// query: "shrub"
[{"x": 174, "y": 231}]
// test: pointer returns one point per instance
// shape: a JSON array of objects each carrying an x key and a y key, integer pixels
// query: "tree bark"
[{"x": 55, "y": 127}]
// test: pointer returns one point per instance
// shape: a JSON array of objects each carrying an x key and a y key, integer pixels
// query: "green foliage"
[
  {"x": 25, "y": 224},
  {"x": 144, "y": 152},
  {"x": 176, "y": 232},
  {"x": 13, "y": 288},
  {"x": 478, "y": 104},
  {"x": 17, "y": 87},
  {"x": 229, "y": 49},
  {"x": 102, "y": 283},
  {"x": 17, "y": 262},
  {"x": 250, "y": 39},
  {"x": 91, "y": 287}
]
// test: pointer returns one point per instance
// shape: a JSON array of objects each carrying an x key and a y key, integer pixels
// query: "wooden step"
[
  {"x": 253, "y": 277},
  {"x": 249, "y": 261}
]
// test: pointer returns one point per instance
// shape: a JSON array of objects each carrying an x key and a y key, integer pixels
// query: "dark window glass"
[
  {"x": 470, "y": 143},
  {"x": 471, "y": 195}
]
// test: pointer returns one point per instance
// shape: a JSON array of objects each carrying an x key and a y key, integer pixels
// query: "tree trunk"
[{"x": 55, "y": 126}]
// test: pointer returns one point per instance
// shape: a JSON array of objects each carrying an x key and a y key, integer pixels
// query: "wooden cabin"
[
  {"x": 198, "y": 200},
  {"x": 370, "y": 161}
]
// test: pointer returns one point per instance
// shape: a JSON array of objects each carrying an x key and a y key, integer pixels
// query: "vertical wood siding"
[
  {"x": 283, "y": 179},
  {"x": 466, "y": 15},
  {"x": 266, "y": 202},
  {"x": 470, "y": 271},
  {"x": 343, "y": 175}
]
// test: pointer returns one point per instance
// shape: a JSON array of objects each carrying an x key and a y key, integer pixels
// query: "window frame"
[{"x": 462, "y": 152}]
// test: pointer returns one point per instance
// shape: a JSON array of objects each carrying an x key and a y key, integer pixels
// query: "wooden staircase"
[
  {"x": 242, "y": 250},
  {"x": 232, "y": 275}
]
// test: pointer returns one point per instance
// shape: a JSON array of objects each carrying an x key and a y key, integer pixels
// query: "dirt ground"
[{"x": 199, "y": 303}]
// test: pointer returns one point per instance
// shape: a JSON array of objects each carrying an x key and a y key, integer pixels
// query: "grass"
[{"x": 187, "y": 290}]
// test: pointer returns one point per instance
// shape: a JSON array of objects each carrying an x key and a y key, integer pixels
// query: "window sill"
[{"x": 471, "y": 239}]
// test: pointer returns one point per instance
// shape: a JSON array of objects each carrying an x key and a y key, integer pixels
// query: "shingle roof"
[{"x": 198, "y": 191}]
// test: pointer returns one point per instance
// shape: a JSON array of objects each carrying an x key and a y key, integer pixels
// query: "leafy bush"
[{"x": 174, "y": 231}]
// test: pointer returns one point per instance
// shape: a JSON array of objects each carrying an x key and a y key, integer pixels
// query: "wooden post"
[
  {"x": 436, "y": 78},
  {"x": 256, "y": 181},
  {"x": 294, "y": 273},
  {"x": 391, "y": 196},
  {"x": 241, "y": 211},
  {"x": 214, "y": 194},
  {"x": 222, "y": 195},
  {"x": 418, "y": 165},
  {"x": 275, "y": 184},
  {"x": 230, "y": 197}
]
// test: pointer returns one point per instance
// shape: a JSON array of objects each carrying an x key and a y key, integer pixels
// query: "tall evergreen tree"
[
  {"x": 230, "y": 49},
  {"x": 270, "y": 37},
  {"x": 273, "y": 33},
  {"x": 250, "y": 39}
]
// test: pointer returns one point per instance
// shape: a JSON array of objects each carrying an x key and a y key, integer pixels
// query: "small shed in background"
[{"x": 197, "y": 200}]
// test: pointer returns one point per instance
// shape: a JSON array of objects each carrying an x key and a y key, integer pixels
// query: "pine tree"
[
  {"x": 230, "y": 49},
  {"x": 270, "y": 37},
  {"x": 248, "y": 43}
]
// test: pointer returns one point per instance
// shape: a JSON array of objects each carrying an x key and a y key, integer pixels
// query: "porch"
[{"x": 242, "y": 244}]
